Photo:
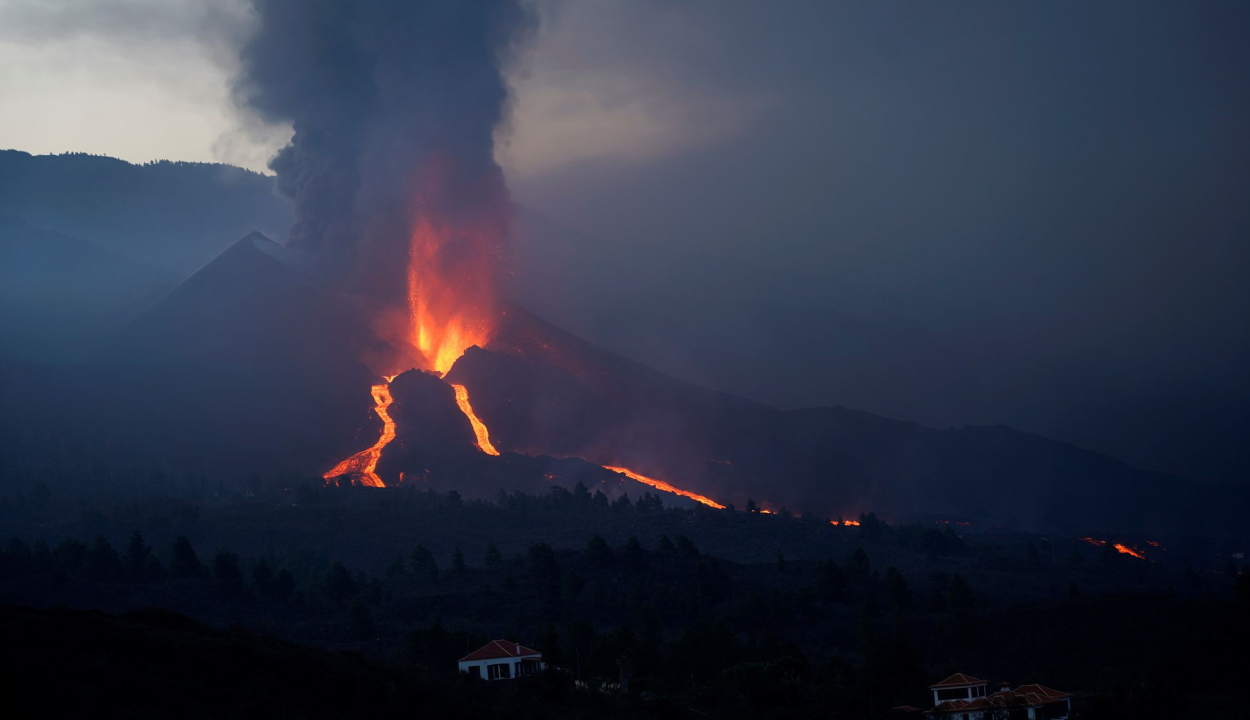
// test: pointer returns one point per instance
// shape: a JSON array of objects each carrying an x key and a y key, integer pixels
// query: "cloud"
[{"x": 612, "y": 80}]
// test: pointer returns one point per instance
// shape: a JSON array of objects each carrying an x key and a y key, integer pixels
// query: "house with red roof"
[
  {"x": 963, "y": 697},
  {"x": 502, "y": 660}
]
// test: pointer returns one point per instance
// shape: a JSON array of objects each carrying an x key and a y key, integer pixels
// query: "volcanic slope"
[
  {"x": 251, "y": 366},
  {"x": 540, "y": 390}
]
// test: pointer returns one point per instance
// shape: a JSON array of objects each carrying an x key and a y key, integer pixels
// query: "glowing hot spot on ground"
[{"x": 661, "y": 485}]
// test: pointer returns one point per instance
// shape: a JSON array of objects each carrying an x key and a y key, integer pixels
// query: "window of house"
[
  {"x": 499, "y": 671},
  {"x": 528, "y": 667},
  {"x": 475, "y": 671}
]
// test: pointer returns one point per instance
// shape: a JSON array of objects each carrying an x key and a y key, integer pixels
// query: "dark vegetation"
[{"x": 733, "y": 614}]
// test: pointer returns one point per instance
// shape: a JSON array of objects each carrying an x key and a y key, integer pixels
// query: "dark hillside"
[{"x": 173, "y": 215}]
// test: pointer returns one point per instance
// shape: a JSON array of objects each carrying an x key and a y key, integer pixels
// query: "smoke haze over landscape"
[
  {"x": 746, "y": 179},
  {"x": 625, "y": 359}
]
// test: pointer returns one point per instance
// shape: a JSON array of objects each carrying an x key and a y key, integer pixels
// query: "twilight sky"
[{"x": 1022, "y": 212}]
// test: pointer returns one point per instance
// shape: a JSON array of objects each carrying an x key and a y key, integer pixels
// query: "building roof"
[
  {"x": 958, "y": 680},
  {"x": 1023, "y": 696},
  {"x": 955, "y": 705},
  {"x": 499, "y": 649},
  {"x": 1038, "y": 694}
]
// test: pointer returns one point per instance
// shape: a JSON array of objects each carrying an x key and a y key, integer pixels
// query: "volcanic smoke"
[{"x": 394, "y": 105}]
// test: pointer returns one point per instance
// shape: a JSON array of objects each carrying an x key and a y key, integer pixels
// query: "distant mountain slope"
[
  {"x": 172, "y": 215},
  {"x": 251, "y": 308},
  {"x": 577, "y": 400},
  {"x": 251, "y": 366},
  {"x": 60, "y": 295}
]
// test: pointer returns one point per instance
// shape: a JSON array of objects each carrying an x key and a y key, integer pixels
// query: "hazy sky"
[
  {"x": 148, "y": 79},
  {"x": 1022, "y": 212}
]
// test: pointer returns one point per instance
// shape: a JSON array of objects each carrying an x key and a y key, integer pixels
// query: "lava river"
[{"x": 364, "y": 464}]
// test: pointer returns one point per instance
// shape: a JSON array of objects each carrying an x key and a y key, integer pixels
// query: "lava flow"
[
  {"x": 364, "y": 464},
  {"x": 481, "y": 434},
  {"x": 1119, "y": 547},
  {"x": 1126, "y": 550},
  {"x": 661, "y": 485}
]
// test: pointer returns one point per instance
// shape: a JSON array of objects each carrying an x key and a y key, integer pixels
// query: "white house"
[
  {"x": 501, "y": 660},
  {"x": 958, "y": 687},
  {"x": 963, "y": 697}
]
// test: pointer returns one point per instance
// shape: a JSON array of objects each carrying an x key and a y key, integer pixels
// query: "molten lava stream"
[
  {"x": 661, "y": 485},
  {"x": 481, "y": 434},
  {"x": 365, "y": 463},
  {"x": 482, "y": 440},
  {"x": 1126, "y": 550}
]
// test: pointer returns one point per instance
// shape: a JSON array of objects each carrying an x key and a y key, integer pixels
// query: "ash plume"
[{"x": 394, "y": 104}]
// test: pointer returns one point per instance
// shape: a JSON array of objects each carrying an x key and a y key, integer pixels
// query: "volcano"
[{"x": 252, "y": 365}]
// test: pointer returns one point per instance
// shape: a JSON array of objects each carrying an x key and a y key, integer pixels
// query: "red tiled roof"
[
  {"x": 499, "y": 649},
  {"x": 1023, "y": 696},
  {"x": 953, "y": 705},
  {"x": 957, "y": 680},
  {"x": 1044, "y": 693}
]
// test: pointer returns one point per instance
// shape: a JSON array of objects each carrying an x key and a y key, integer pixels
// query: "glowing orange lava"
[
  {"x": 483, "y": 443},
  {"x": 479, "y": 428},
  {"x": 449, "y": 309},
  {"x": 1119, "y": 547},
  {"x": 661, "y": 485},
  {"x": 365, "y": 463}
]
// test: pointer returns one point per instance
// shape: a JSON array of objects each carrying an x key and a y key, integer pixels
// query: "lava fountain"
[{"x": 449, "y": 308}]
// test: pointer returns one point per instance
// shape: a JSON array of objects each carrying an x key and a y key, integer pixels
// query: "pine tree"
[
  {"x": 396, "y": 568},
  {"x": 136, "y": 558},
  {"x": 283, "y": 586},
  {"x": 423, "y": 563},
  {"x": 598, "y": 553},
  {"x": 493, "y": 559},
  {"x": 1032, "y": 560},
  {"x": 339, "y": 586},
  {"x": 185, "y": 563},
  {"x": 457, "y": 561},
  {"x": 226, "y": 575},
  {"x": 262, "y": 578}
]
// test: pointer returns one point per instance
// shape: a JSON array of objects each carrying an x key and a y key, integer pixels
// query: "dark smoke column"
[{"x": 394, "y": 104}]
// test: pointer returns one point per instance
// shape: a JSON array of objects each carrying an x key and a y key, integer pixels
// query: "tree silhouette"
[
  {"x": 283, "y": 586},
  {"x": 185, "y": 563},
  {"x": 857, "y": 566},
  {"x": 457, "y": 561},
  {"x": 396, "y": 568},
  {"x": 423, "y": 563},
  {"x": 598, "y": 553},
  {"x": 226, "y": 575},
  {"x": 339, "y": 586},
  {"x": 262, "y": 578},
  {"x": 136, "y": 559},
  {"x": 493, "y": 559}
]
